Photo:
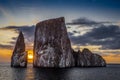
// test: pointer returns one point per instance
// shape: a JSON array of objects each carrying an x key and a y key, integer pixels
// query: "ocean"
[{"x": 111, "y": 72}]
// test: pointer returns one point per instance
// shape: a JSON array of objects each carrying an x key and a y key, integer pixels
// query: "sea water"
[{"x": 111, "y": 72}]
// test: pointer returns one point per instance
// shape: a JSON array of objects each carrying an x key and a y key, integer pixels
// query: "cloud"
[
  {"x": 106, "y": 35},
  {"x": 70, "y": 34},
  {"x": 6, "y": 46},
  {"x": 85, "y": 22},
  {"x": 103, "y": 32}
]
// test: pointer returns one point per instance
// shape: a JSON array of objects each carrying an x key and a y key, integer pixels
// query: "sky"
[{"x": 93, "y": 24}]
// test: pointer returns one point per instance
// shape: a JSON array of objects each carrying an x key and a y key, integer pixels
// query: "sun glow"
[{"x": 30, "y": 56}]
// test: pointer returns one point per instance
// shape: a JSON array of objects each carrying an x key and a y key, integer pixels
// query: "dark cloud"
[
  {"x": 14, "y": 38},
  {"x": 6, "y": 46},
  {"x": 68, "y": 27},
  {"x": 86, "y": 22},
  {"x": 104, "y": 32},
  {"x": 70, "y": 34},
  {"x": 12, "y": 42},
  {"x": 75, "y": 31},
  {"x": 107, "y": 36}
]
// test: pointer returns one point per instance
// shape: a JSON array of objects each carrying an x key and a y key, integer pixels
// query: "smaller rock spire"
[{"x": 19, "y": 56}]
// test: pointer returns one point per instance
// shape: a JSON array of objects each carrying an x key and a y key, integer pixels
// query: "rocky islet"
[
  {"x": 19, "y": 56},
  {"x": 52, "y": 48}
]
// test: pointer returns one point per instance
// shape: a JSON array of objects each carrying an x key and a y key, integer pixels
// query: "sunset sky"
[{"x": 93, "y": 24}]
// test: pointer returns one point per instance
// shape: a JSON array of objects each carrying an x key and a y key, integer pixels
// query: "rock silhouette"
[
  {"x": 52, "y": 47},
  {"x": 87, "y": 59},
  {"x": 19, "y": 56}
]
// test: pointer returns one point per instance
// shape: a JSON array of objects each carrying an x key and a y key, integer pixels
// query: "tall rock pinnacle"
[
  {"x": 52, "y": 47},
  {"x": 19, "y": 56}
]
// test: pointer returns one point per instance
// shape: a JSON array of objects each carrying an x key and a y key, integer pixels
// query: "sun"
[{"x": 30, "y": 56}]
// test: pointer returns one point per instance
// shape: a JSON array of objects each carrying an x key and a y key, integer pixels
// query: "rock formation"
[
  {"x": 19, "y": 56},
  {"x": 87, "y": 59},
  {"x": 52, "y": 47}
]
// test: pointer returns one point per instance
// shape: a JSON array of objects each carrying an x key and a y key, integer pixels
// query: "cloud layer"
[
  {"x": 86, "y": 22},
  {"x": 107, "y": 36}
]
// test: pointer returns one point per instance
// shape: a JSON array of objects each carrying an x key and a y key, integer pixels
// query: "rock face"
[
  {"x": 19, "y": 56},
  {"x": 52, "y": 46},
  {"x": 87, "y": 59}
]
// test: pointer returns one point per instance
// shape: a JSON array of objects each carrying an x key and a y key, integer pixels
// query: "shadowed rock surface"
[
  {"x": 19, "y": 56},
  {"x": 87, "y": 59},
  {"x": 52, "y": 46}
]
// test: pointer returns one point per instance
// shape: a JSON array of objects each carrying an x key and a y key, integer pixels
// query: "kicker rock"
[
  {"x": 19, "y": 56},
  {"x": 52, "y": 47},
  {"x": 87, "y": 59}
]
